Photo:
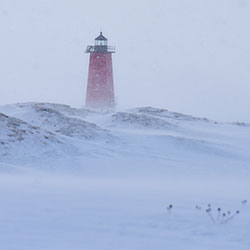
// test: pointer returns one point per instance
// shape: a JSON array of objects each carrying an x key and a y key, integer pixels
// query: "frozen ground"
[{"x": 76, "y": 179}]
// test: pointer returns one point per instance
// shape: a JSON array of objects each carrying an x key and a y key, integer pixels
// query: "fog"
[{"x": 186, "y": 56}]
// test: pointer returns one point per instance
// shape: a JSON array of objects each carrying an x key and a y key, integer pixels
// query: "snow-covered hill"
[
  {"x": 77, "y": 179},
  {"x": 44, "y": 130},
  {"x": 18, "y": 139},
  {"x": 35, "y": 130},
  {"x": 60, "y": 138}
]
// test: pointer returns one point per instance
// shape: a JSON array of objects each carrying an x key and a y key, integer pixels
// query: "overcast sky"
[{"x": 190, "y": 56}]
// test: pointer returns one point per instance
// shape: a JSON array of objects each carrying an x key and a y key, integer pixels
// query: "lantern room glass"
[{"x": 101, "y": 43}]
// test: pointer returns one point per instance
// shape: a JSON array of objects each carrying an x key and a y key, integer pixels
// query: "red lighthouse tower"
[{"x": 100, "y": 89}]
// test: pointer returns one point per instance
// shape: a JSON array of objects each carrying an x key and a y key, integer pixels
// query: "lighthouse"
[{"x": 100, "y": 87}]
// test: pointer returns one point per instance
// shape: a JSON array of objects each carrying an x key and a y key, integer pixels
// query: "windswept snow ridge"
[
  {"x": 44, "y": 129},
  {"x": 18, "y": 138},
  {"x": 60, "y": 119},
  {"x": 65, "y": 125},
  {"x": 167, "y": 114},
  {"x": 140, "y": 121}
]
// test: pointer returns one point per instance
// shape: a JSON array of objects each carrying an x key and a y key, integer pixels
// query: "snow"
[
  {"x": 78, "y": 179},
  {"x": 18, "y": 138}
]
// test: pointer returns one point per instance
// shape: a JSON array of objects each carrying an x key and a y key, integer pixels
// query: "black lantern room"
[{"x": 101, "y": 46}]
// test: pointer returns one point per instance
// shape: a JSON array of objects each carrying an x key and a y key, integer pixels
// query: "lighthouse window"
[{"x": 101, "y": 43}]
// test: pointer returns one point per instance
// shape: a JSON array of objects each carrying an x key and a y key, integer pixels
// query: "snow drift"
[
  {"x": 18, "y": 138},
  {"x": 44, "y": 130},
  {"x": 70, "y": 176}
]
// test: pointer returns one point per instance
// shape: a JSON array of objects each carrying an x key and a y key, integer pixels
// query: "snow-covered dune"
[
  {"x": 168, "y": 114},
  {"x": 34, "y": 129},
  {"x": 20, "y": 139},
  {"x": 77, "y": 179},
  {"x": 60, "y": 119},
  {"x": 39, "y": 131},
  {"x": 125, "y": 119}
]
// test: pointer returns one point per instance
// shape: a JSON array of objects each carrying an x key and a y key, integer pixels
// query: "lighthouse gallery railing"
[{"x": 100, "y": 49}]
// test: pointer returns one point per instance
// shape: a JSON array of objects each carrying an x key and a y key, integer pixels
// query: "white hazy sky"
[{"x": 190, "y": 56}]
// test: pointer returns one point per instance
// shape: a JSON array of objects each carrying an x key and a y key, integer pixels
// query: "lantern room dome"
[{"x": 101, "y": 37}]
